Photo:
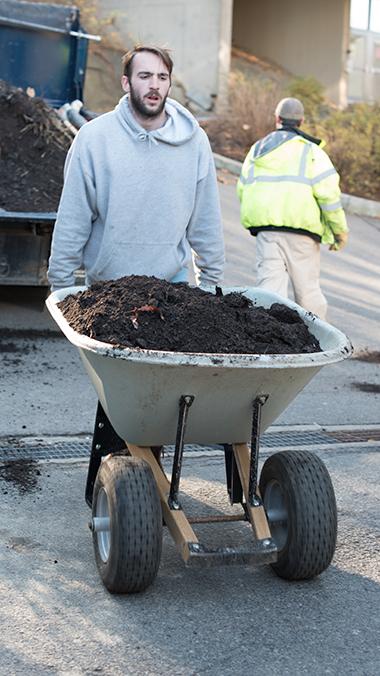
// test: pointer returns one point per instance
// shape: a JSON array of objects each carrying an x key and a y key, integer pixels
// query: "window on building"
[
  {"x": 374, "y": 18},
  {"x": 365, "y": 15},
  {"x": 359, "y": 14}
]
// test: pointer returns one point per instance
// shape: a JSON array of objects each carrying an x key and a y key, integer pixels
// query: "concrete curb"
[
  {"x": 361, "y": 206},
  {"x": 351, "y": 203}
]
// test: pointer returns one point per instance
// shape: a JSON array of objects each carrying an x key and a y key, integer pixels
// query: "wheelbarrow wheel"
[
  {"x": 126, "y": 524},
  {"x": 301, "y": 509}
]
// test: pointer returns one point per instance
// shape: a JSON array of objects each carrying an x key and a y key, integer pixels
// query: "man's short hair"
[
  {"x": 290, "y": 110},
  {"x": 287, "y": 122},
  {"x": 163, "y": 53}
]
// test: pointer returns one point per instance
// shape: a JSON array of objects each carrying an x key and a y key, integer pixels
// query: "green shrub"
[
  {"x": 311, "y": 93},
  {"x": 248, "y": 116},
  {"x": 353, "y": 143}
]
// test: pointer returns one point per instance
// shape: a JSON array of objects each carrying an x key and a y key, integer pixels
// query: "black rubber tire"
[
  {"x": 304, "y": 487},
  {"x": 135, "y": 524}
]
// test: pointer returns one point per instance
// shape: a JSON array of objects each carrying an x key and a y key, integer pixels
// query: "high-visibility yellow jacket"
[{"x": 288, "y": 181}]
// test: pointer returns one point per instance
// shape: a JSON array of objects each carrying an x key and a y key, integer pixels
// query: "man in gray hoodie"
[
  {"x": 139, "y": 196},
  {"x": 140, "y": 192}
]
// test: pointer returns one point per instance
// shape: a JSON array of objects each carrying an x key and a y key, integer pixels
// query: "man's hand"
[{"x": 340, "y": 241}]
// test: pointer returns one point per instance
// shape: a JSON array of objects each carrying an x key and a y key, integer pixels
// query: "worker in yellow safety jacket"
[{"x": 290, "y": 200}]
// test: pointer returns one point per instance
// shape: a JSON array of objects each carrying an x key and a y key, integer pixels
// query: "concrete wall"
[
  {"x": 197, "y": 32},
  {"x": 307, "y": 37}
]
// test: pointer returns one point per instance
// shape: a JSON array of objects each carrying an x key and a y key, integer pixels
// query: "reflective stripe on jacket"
[{"x": 289, "y": 181}]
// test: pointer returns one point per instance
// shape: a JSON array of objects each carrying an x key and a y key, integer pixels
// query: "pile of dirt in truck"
[
  {"x": 33, "y": 146},
  {"x": 150, "y": 313}
]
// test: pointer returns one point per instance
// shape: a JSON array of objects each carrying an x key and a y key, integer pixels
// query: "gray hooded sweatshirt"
[{"x": 137, "y": 202}]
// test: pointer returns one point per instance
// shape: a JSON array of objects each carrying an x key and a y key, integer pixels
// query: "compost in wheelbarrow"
[
  {"x": 150, "y": 313},
  {"x": 154, "y": 398}
]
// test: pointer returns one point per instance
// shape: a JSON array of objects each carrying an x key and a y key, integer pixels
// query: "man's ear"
[{"x": 125, "y": 83}]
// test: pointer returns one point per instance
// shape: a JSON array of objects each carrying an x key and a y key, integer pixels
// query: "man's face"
[{"x": 148, "y": 85}]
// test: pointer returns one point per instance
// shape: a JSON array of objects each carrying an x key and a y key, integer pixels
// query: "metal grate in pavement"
[
  {"x": 13, "y": 449},
  {"x": 54, "y": 451},
  {"x": 294, "y": 438},
  {"x": 343, "y": 436}
]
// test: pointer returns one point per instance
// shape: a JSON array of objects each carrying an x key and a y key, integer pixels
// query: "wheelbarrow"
[{"x": 151, "y": 398}]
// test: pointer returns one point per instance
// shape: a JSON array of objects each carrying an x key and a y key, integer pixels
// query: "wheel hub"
[
  {"x": 101, "y": 525},
  {"x": 277, "y": 513}
]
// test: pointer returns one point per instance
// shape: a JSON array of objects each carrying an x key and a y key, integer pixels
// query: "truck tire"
[
  {"x": 300, "y": 504},
  {"x": 128, "y": 552}
]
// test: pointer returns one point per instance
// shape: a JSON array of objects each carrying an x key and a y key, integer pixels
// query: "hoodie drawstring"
[{"x": 147, "y": 137}]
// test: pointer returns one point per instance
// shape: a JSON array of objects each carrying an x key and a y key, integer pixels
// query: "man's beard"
[{"x": 139, "y": 105}]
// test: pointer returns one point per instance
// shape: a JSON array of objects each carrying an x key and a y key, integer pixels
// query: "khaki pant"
[{"x": 284, "y": 256}]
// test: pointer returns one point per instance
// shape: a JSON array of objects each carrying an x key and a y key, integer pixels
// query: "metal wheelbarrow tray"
[{"x": 150, "y": 398}]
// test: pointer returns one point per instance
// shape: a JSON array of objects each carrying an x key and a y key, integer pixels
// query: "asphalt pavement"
[{"x": 56, "y": 616}]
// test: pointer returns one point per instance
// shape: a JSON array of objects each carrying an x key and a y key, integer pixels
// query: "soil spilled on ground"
[
  {"x": 149, "y": 313},
  {"x": 372, "y": 357},
  {"x": 10, "y": 347},
  {"x": 33, "y": 147},
  {"x": 23, "y": 474},
  {"x": 24, "y": 334},
  {"x": 370, "y": 388}
]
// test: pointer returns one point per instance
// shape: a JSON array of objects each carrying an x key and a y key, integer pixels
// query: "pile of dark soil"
[
  {"x": 33, "y": 147},
  {"x": 150, "y": 313}
]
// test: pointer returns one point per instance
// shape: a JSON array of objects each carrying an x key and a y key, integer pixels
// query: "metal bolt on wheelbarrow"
[{"x": 148, "y": 398}]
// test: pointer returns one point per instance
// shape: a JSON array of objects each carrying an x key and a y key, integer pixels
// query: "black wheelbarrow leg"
[
  {"x": 105, "y": 441},
  {"x": 184, "y": 404},
  {"x": 234, "y": 484}
]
